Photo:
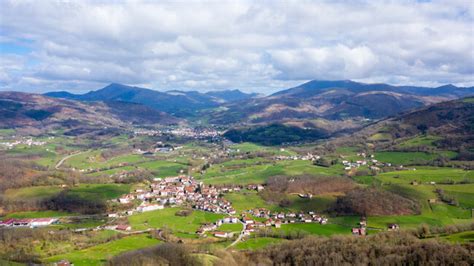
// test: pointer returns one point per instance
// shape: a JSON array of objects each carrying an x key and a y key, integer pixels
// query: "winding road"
[
  {"x": 67, "y": 157},
  {"x": 240, "y": 236}
]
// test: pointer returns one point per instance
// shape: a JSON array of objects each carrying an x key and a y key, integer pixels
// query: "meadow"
[
  {"x": 459, "y": 238},
  {"x": 168, "y": 218},
  {"x": 258, "y": 243},
  {"x": 98, "y": 255},
  {"x": 425, "y": 174},
  {"x": 424, "y": 140},
  {"x": 410, "y": 158},
  {"x": 99, "y": 191},
  {"x": 316, "y": 229},
  {"x": 259, "y": 173}
]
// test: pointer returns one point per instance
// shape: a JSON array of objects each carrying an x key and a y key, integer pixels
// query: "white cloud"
[{"x": 236, "y": 44}]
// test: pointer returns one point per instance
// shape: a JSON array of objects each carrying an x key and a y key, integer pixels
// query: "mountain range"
[
  {"x": 324, "y": 106},
  {"x": 39, "y": 114},
  {"x": 313, "y": 102},
  {"x": 176, "y": 103}
]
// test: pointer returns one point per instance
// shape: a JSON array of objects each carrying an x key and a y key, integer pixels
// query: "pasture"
[
  {"x": 316, "y": 229},
  {"x": 99, "y": 191},
  {"x": 168, "y": 218},
  {"x": 410, "y": 158},
  {"x": 460, "y": 238},
  {"x": 99, "y": 254},
  {"x": 258, "y": 243},
  {"x": 259, "y": 173},
  {"x": 30, "y": 193},
  {"x": 426, "y": 175}
]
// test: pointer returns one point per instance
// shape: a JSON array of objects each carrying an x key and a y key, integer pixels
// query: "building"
[
  {"x": 42, "y": 222},
  {"x": 63, "y": 263},
  {"x": 393, "y": 227},
  {"x": 358, "y": 231},
  {"x": 223, "y": 234},
  {"x": 149, "y": 207},
  {"x": 123, "y": 227}
]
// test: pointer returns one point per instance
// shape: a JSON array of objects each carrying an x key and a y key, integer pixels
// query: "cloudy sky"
[{"x": 214, "y": 45}]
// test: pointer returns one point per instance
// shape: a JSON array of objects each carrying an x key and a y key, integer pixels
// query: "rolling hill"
[
  {"x": 174, "y": 102},
  {"x": 335, "y": 100},
  {"x": 41, "y": 113},
  {"x": 447, "y": 125}
]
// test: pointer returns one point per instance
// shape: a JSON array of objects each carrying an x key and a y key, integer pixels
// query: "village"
[
  {"x": 372, "y": 163},
  {"x": 24, "y": 141},
  {"x": 193, "y": 133},
  {"x": 186, "y": 191}
]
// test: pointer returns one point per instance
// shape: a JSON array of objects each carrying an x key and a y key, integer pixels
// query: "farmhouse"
[
  {"x": 42, "y": 222},
  {"x": 149, "y": 207},
  {"x": 358, "y": 231},
  {"x": 123, "y": 227},
  {"x": 223, "y": 234},
  {"x": 34, "y": 222},
  {"x": 393, "y": 227}
]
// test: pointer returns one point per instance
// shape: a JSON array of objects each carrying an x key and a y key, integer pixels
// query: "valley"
[
  {"x": 135, "y": 187},
  {"x": 86, "y": 181}
]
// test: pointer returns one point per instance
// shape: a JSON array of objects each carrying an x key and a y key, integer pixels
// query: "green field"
[
  {"x": 246, "y": 200},
  {"x": 461, "y": 238},
  {"x": 98, "y": 255},
  {"x": 163, "y": 168},
  {"x": 406, "y": 158},
  {"x": 230, "y": 227},
  {"x": 94, "y": 160},
  {"x": 219, "y": 174},
  {"x": 419, "y": 141},
  {"x": 39, "y": 214},
  {"x": 381, "y": 137},
  {"x": 38, "y": 192},
  {"x": 168, "y": 218},
  {"x": 99, "y": 191},
  {"x": 464, "y": 194},
  {"x": 258, "y": 243},
  {"x": 427, "y": 174},
  {"x": 317, "y": 229}
]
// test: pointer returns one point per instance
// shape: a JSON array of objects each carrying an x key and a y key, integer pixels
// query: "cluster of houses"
[
  {"x": 278, "y": 218},
  {"x": 307, "y": 157},
  {"x": 211, "y": 227},
  {"x": 28, "y": 222},
  {"x": 373, "y": 164},
  {"x": 147, "y": 132},
  {"x": 157, "y": 149},
  {"x": 250, "y": 225},
  {"x": 28, "y": 142},
  {"x": 195, "y": 133},
  {"x": 361, "y": 230},
  {"x": 177, "y": 191}
]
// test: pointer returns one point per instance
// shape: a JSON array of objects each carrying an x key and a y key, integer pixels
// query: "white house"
[
  {"x": 42, "y": 222},
  {"x": 149, "y": 207}
]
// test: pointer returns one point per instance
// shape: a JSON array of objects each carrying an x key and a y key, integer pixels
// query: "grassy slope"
[
  {"x": 167, "y": 218},
  {"x": 258, "y": 243},
  {"x": 98, "y": 255}
]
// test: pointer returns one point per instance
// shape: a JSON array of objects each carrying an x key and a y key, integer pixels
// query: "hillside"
[
  {"x": 22, "y": 110},
  {"x": 175, "y": 102},
  {"x": 446, "y": 125},
  {"x": 231, "y": 95},
  {"x": 335, "y": 100},
  {"x": 315, "y": 87}
]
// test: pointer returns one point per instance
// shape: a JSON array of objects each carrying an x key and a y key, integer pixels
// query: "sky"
[{"x": 254, "y": 46}]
